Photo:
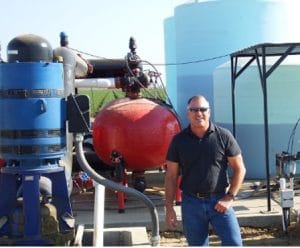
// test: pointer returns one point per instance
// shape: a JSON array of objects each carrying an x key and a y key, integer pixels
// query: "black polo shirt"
[{"x": 203, "y": 162}]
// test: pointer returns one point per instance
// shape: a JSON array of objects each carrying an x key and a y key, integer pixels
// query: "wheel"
[{"x": 286, "y": 218}]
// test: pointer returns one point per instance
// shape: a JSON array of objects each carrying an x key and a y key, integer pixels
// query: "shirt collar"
[{"x": 211, "y": 129}]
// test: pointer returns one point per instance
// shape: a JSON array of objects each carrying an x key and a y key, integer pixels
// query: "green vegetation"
[{"x": 99, "y": 97}]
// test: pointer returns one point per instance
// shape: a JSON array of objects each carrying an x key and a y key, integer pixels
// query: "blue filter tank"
[{"x": 32, "y": 110}]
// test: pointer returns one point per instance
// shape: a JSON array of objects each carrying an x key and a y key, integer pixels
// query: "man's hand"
[
  {"x": 171, "y": 219},
  {"x": 224, "y": 204}
]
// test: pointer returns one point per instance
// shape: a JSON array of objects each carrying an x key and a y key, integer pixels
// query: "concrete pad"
[
  {"x": 251, "y": 207},
  {"x": 129, "y": 236},
  {"x": 132, "y": 236}
]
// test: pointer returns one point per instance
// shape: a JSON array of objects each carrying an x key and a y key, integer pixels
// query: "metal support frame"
[
  {"x": 32, "y": 233},
  {"x": 254, "y": 53}
]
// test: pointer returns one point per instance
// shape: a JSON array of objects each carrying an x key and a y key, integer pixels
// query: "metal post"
[
  {"x": 266, "y": 124},
  {"x": 31, "y": 205},
  {"x": 233, "y": 70},
  {"x": 98, "y": 238}
]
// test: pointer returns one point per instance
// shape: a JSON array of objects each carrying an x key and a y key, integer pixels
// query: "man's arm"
[
  {"x": 239, "y": 171},
  {"x": 170, "y": 191},
  {"x": 238, "y": 167}
]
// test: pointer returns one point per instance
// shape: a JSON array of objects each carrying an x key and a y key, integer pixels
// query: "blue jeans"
[{"x": 198, "y": 213}]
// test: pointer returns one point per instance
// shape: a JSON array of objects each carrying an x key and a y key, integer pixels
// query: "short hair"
[{"x": 196, "y": 97}]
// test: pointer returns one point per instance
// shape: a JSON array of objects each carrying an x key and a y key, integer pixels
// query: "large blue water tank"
[
  {"x": 170, "y": 51},
  {"x": 283, "y": 111},
  {"x": 208, "y": 29}
]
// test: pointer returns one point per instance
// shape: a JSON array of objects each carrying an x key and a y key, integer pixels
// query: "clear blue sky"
[{"x": 100, "y": 27}]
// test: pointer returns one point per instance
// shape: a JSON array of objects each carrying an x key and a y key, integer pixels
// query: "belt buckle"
[{"x": 201, "y": 195}]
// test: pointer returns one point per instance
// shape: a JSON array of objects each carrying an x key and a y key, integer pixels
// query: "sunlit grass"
[{"x": 99, "y": 97}]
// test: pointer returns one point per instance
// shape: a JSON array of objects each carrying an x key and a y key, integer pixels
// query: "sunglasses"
[{"x": 196, "y": 110}]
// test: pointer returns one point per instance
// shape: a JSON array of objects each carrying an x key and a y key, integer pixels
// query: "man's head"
[{"x": 198, "y": 112}]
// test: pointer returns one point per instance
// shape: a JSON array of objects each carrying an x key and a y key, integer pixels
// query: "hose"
[{"x": 154, "y": 240}]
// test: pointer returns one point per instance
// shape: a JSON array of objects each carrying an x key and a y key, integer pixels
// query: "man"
[{"x": 201, "y": 153}]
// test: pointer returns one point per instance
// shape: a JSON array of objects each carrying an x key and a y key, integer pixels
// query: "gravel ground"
[{"x": 272, "y": 236}]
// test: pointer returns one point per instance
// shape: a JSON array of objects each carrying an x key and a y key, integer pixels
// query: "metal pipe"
[
  {"x": 107, "y": 68},
  {"x": 95, "y": 83},
  {"x": 98, "y": 239},
  {"x": 79, "y": 236},
  {"x": 110, "y": 184}
]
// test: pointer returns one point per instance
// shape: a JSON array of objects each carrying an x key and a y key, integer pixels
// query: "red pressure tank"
[{"x": 139, "y": 129}]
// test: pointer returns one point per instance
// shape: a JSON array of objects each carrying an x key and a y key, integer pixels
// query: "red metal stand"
[{"x": 121, "y": 196}]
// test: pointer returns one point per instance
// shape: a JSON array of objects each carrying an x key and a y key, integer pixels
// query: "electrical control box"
[{"x": 287, "y": 198}]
